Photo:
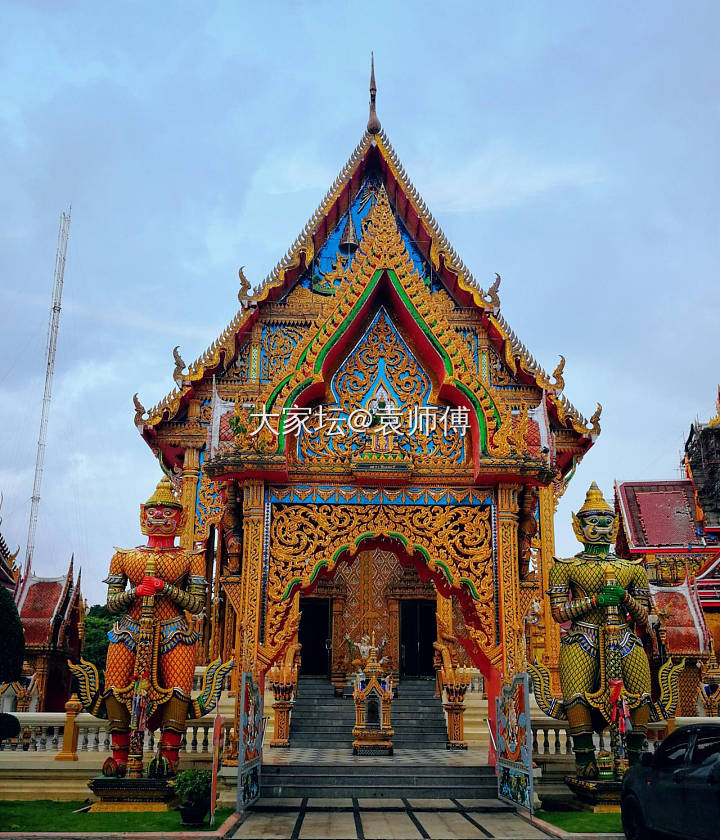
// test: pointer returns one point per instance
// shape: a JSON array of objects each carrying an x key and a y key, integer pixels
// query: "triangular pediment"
[{"x": 372, "y": 240}]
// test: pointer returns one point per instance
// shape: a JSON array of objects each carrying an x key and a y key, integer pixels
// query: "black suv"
[{"x": 676, "y": 790}]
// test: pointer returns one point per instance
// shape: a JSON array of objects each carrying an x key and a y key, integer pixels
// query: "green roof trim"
[
  {"x": 293, "y": 583},
  {"x": 445, "y": 569},
  {"x": 317, "y": 568},
  {"x": 471, "y": 586}
]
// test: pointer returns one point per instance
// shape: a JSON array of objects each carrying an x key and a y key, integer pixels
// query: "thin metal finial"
[{"x": 373, "y": 125}]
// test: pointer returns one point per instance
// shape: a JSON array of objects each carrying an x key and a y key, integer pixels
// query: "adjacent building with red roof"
[
  {"x": 52, "y": 612},
  {"x": 674, "y": 527}
]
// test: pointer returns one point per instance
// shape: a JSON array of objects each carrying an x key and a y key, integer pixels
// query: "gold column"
[
  {"x": 510, "y": 618},
  {"x": 244, "y": 590},
  {"x": 253, "y": 518},
  {"x": 443, "y": 619},
  {"x": 337, "y": 673},
  {"x": 551, "y": 635},
  {"x": 443, "y": 610},
  {"x": 393, "y": 604},
  {"x": 41, "y": 672},
  {"x": 190, "y": 475}
]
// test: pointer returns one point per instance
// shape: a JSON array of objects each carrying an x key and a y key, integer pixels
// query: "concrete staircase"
[
  {"x": 369, "y": 778},
  {"x": 417, "y": 716},
  {"x": 319, "y": 718},
  {"x": 322, "y": 720}
]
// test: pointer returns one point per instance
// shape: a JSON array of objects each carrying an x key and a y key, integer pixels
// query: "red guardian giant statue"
[{"x": 151, "y": 657}]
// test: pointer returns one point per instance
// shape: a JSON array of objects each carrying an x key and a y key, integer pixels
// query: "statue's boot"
[
  {"x": 116, "y": 765},
  {"x": 584, "y": 749},
  {"x": 170, "y": 748},
  {"x": 118, "y": 719},
  {"x": 173, "y": 728},
  {"x": 581, "y": 730}
]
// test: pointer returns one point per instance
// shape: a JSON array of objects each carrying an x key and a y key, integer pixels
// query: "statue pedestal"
[
  {"x": 596, "y": 795},
  {"x": 119, "y": 795}
]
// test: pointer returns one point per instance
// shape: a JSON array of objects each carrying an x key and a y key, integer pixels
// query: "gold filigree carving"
[{"x": 455, "y": 543}]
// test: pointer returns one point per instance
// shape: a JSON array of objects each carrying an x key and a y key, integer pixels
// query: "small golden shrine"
[{"x": 373, "y": 696}]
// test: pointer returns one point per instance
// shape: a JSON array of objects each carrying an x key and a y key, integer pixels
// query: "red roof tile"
[
  {"x": 658, "y": 513},
  {"x": 38, "y": 605},
  {"x": 42, "y": 599}
]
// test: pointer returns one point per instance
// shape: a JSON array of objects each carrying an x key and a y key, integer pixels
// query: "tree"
[
  {"x": 12, "y": 639},
  {"x": 97, "y": 623}
]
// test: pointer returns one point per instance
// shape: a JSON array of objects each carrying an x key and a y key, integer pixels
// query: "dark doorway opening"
[
  {"x": 314, "y": 635},
  {"x": 418, "y": 631}
]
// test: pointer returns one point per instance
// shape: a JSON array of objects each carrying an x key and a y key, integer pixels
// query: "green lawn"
[
  {"x": 582, "y": 821},
  {"x": 43, "y": 815}
]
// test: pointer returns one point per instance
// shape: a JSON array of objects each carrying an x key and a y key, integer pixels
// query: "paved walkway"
[
  {"x": 384, "y": 819},
  {"x": 343, "y": 755}
]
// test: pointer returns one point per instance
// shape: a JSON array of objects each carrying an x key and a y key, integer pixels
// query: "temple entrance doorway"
[
  {"x": 417, "y": 634},
  {"x": 314, "y": 635}
]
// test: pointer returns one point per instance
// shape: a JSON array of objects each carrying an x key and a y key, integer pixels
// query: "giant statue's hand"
[
  {"x": 611, "y": 596},
  {"x": 149, "y": 586}
]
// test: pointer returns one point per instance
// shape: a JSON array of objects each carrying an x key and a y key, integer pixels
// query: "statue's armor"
[
  {"x": 183, "y": 573},
  {"x": 573, "y": 582}
]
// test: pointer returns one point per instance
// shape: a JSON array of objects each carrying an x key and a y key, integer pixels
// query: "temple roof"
[
  {"x": 702, "y": 461},
  {"x": 8, "y": 571},
  {"x": 44, "y": 604},
  {"x": 321, "y": 259},
  {"x": 658, "y": 514},
  {"x": 374, "y": 153}
]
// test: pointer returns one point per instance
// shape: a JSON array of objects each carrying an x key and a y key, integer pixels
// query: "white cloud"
[{"x": 499, "y": 176}]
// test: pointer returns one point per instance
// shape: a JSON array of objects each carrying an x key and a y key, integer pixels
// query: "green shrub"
[
  {"x": 9, "y": 726},
  {"x": 193, "y": 785}
]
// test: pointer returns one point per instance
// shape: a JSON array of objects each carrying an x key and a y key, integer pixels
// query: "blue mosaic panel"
[
  {"x": 322, "y": 276},
  {"x": 382, "y": 377},
  {"x": 351, "y": 495}
]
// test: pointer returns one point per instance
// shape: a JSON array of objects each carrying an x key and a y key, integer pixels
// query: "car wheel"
[{"x": 633, "y": 822}]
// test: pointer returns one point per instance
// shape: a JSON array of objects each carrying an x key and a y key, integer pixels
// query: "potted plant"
[{"x": 193, "y": 789}]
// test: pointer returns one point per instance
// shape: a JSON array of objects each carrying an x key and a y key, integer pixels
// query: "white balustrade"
[
  {"x": 42, "y": 732},
  {"x": 551, "y": 737}
]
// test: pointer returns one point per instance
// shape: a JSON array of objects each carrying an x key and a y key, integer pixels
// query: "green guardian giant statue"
[{"x": 604, "y": 670}]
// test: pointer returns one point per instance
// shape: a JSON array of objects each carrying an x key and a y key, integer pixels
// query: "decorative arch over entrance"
[
  {"x": 431, "y": 581},
  {"x": 454, "y": 543}
]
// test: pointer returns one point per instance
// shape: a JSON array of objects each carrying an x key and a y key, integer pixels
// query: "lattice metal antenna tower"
[{"x": 54, "y": 323}]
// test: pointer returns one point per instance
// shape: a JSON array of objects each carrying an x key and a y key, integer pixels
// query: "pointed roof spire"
[
  {"x": 373, "y": 125},
  {"x": 349, "y": 240}
]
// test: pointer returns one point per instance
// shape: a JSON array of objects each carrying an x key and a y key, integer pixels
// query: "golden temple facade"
[{"x": 369, "y": 448}]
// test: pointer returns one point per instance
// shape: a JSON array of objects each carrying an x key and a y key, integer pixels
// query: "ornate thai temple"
[{"x": 369, "y": 448}]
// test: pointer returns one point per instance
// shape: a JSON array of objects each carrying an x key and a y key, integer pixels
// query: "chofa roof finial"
[{"x": 373, "y": 125}]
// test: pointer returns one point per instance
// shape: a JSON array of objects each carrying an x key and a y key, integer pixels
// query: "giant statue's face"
[
  {"x": 598, "y": 528},
  {"x": 160, "y": 520}
]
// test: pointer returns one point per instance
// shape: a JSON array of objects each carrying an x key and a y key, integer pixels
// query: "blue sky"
[{"x": 572, "y": 147}]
